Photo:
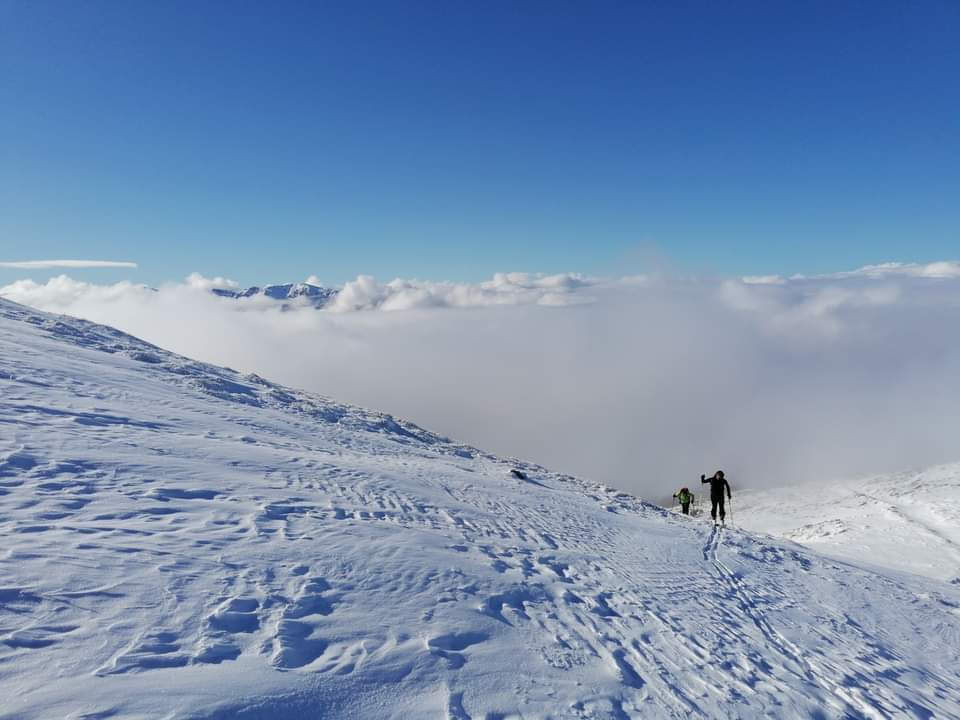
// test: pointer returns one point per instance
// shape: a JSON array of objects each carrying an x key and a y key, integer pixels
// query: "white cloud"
[
  {"x": 47, "y": 264},
  {"x": 640, "y": 382},
  {"x": 199, "y": 282},
  {"x": 763, "y": 280},
  {"x": 816, "y": 309},
  {"x": 945, "y": 269},
  {"x": 62, "y": 293},
  {"x": 365, "y": 293}
]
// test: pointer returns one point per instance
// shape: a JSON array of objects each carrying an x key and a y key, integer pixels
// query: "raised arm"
[{"x": 704, "y": 479}]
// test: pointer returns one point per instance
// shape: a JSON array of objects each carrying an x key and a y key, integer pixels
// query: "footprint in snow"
[
  {"x": 294, "y": 645},
  {"x": 451, "y": 646},
  {"x": 39, "y": 636},
  {"x": 154, "y": 650},
  {"x": 238, "y": 615}
]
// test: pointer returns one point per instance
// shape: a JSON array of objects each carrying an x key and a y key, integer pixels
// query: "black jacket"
[{"x": 717, "y": 486}]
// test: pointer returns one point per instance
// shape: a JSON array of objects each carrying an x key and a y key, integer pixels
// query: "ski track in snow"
[{"x": 182, "y": 541}]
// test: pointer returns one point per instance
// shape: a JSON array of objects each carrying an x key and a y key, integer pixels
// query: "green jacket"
[{"x": 684, "y": 496}]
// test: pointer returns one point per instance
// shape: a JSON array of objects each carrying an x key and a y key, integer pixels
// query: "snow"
[
  {"x": 315, "y": 296},
  {"x": 182, "y": 541},
  {"x": 907, "y": 521}
]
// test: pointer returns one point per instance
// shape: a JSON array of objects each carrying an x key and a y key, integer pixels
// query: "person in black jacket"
[{"x": 717, "y": 485}]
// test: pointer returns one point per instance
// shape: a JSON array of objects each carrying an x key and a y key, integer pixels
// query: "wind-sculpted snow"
[{"x": 181, "y": 541}]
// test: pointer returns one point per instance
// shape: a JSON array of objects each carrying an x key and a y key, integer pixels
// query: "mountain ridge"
[
  {"x": 315, "y": 295},
  {"x": 184, "y": 541}
]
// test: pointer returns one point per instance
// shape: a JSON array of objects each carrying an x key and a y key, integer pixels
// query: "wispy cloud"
[
  {"x": 763, "y": 280},
  {"x": 941, "y": 270},
  {"x": 45, "y": 264}
]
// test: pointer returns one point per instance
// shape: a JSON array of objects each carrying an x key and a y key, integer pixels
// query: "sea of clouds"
[{"x": 640, "y": 382}]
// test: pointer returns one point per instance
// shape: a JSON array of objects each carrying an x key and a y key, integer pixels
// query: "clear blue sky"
[{"x": 449, "y": 140}]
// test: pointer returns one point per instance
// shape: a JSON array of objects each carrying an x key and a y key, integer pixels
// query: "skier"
[
  {"x": 717, "y": 485},
  {"x": 685, "y": 497}
]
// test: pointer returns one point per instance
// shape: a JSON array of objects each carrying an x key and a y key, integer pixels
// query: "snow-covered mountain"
[
  {"x": 906, "y": 521},
  {"x": 314, "y": 294},
  {"x": 182, "y": 541}
]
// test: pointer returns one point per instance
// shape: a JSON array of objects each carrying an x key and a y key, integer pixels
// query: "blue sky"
[{"x": 449, "y": 140}]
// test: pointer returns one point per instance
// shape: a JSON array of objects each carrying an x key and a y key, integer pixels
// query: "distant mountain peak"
[{"x": 315, "y": 294}]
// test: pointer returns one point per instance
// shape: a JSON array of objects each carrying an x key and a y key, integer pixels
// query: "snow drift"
[{"x": 184, "y": 541}]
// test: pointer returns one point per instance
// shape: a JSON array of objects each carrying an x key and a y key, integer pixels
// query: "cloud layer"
[
  {"x": 365, "y": 293},
  {"x": 642, "y": 382},
  {"x": 47, "y": 264}
]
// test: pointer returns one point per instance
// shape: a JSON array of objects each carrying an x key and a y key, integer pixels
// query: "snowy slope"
[
  {"x": 181, "y": 541},
  {"x": 906, "y": 521}
]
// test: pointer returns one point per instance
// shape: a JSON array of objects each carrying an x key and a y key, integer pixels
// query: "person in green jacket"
[{"x": 685, "y": 497}]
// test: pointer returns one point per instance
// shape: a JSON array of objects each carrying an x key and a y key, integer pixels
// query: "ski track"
[{"x": 186, "y": 542}]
